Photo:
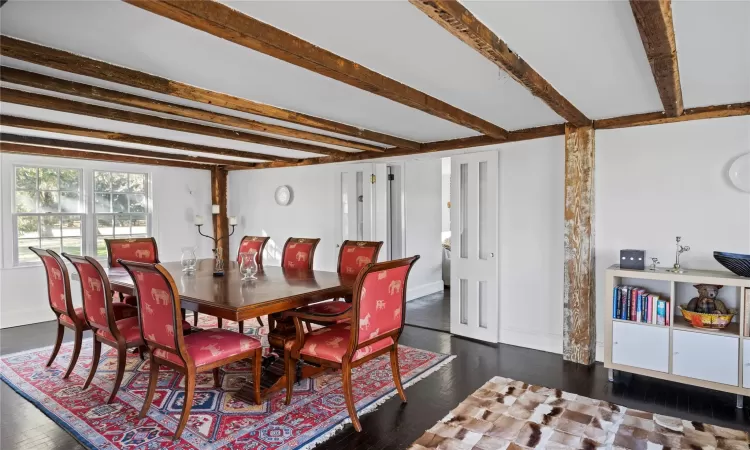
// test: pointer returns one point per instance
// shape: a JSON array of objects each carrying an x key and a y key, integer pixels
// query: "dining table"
[{"x": 273, "y": 291}]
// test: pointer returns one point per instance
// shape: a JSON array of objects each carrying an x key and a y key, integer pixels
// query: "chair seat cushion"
[
  {"x": 128, "y": 328},
  {"x": 130, "y": 300},
  {"x": 333, "y": 308},
  {"x": 123, "y": 311},
  {"x": 208, "y": 346},
  {"x": 330, "y": 343},
  {"x": 64, "y": 319}
]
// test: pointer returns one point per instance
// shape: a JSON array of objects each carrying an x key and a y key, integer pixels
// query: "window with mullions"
[
  {"x": 120, "y": 206},
  {"x": 47, "y": 211}
]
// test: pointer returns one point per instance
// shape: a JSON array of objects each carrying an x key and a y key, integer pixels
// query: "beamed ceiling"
[{"x": 256, "y": 84}]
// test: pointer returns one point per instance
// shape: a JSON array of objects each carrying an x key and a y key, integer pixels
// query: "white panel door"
[
  {"x": 706, "y": 356},
  {"x": 640, "y": 346},
  {"x": 474, "y": 227},
  {"x": 746, "y": 364},
  {"x": 355, "y": 194}
]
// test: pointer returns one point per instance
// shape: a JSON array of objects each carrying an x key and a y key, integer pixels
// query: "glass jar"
[
  {"x": 249, "y": 264},
  {"x": 188, "y": 259}
]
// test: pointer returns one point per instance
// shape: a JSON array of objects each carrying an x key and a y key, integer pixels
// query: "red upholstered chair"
[
  {"x": 298, "y": 253},
  {"x": 114, "y": 324},
  {"x": 353, "y": 257},
  {"x": 248, "y": 243},
  {"x": 61, "y": 302},
  {"x": 160, "y": 317},
  {"x": 131, "y": 249},
  {"x": 377, "y": 318}
]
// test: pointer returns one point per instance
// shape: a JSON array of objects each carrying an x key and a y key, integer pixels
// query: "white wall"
[
  {"x": 177, "y": 196},
  {"x": 314, "y": 212}
]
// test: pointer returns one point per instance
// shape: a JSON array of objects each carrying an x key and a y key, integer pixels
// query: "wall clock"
[
  {"x": 739, "y": 173},
  {"x": 283, "y": 195}
]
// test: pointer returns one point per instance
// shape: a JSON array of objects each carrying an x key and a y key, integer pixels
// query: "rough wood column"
[
  {"x": 579, "y": 327},
  {"x": 219, "y": 197}
]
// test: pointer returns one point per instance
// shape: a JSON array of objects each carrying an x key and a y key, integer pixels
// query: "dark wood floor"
[
  {"x": 395, "y": 425},
  {"x": 432, "y": 311}
]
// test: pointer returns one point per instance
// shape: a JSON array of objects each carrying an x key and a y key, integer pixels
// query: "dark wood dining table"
[{"x": 274, "y": 291}]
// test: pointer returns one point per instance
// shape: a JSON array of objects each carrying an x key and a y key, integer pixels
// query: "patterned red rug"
[{"x": 217, "y": 419}]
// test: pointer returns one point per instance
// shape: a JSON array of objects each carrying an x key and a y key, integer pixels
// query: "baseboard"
[
  {"x": 16, "y": 318},
  {"x": 546, "y": 342},
  {"x": 422, "y": 290}
]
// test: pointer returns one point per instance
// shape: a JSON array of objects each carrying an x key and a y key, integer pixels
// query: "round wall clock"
[
  {"x": 283, "y": 195},
  {"x": 739, "y": 173}
]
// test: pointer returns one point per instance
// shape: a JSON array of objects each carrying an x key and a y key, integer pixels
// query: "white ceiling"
[{"x": 590, "y": 51}]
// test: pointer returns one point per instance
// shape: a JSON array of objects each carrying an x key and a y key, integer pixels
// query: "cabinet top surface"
[{"x": 689, "y": 276}]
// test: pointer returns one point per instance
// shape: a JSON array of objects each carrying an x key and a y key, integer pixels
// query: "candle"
[
  {"x": 214, "y": 209},
  {"x": 199, "y": 220},
  {"x": 232, "y": 220}
]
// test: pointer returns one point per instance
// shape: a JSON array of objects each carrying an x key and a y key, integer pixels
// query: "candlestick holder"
[
  {"x": 680, "y": 249},
  {"x": 217, "y": 251}
]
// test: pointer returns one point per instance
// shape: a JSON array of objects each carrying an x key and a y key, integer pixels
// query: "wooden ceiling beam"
[
  {"x": 461, "y": 23},
  {"x": 654, "y": 20},
  {"x": 88, "y": 146},
  {"x": 52, "y": 127},
  {"x": 35, "y": 80},
  {"x": 9, "y": 147},
  {"x": 69, "y": 62},
  {"x": 227, "y": 23},
  {"x": 70, "y": 106},
  {"x": 656, "y": 118}
]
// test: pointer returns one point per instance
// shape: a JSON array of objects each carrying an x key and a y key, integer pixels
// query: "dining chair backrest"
[
  {"x": 97, "y": 300},
  {"x": 298, "y": 253},
  {"x": 158, "y": 307},
  {"x": 379, "y": 300},
  {"x": 58, "y": 283},
  {"x": 132, "y": 249},
  {"x": 355, "y": 255},
  {"x": 257, "y": 243}
]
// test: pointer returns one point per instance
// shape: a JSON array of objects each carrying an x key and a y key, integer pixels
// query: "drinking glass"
[
  {"x": 249, "y": 264},
  {"x": 188, "y": 259}
]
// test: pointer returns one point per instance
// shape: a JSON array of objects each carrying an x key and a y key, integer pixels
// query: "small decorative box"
[{"x": 632, "y": 259}]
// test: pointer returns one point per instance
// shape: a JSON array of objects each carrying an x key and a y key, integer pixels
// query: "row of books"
[{"x": 637, "y": 305}]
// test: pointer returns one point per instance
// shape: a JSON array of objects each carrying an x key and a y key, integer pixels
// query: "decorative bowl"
[
  {"x": 735, "y": 262},
  {"x": 703, "y": 320}
]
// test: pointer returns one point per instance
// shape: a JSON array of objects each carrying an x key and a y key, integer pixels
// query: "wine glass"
[
  {"x": 249, "y": 264},
  {"x": 188, "y": 259}
]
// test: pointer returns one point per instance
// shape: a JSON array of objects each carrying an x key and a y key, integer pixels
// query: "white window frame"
[{"x": 8, "y": 223}]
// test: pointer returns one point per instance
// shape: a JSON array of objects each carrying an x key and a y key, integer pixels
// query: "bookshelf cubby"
[{"x": 710, "y": 358}]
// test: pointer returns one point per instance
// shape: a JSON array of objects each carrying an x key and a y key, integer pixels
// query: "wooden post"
[
  {"x": 579, "y": 327},
  {"x": 219, "y": 197}
]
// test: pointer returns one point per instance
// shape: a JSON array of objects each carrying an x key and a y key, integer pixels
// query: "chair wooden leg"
[
  {"x": 76, "y": 352},
  {"x": 216, "y": 378},
  {"x": 260, "y": 321},
  {"x": 152, "y": 380},
  {"x": 290, "y": 375},
  {"x": 195, "y": 318},
  {"x": 346, "y": 371},
  {"x": 397, "y": 373},
  {"x": 142, "y": 352},
  {"x": 220, "y": 322},
  {"x": 94, "y": 363},
  {"x": 257, "y": 363},
  {"x": 58, "y": 341},
  {"x": 188, "y": 403},
  {"x": 122, "y": 354},
  {"x": 309, "y": 327},
  {"x": 241, "y": 324}
]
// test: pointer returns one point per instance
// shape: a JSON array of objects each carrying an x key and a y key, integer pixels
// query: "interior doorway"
[{"x": 395, "y": 213}]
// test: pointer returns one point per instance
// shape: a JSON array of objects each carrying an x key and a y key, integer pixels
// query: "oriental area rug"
[
  {"x": 508, "y": 414},
  {"x": 217, "y": 420}
]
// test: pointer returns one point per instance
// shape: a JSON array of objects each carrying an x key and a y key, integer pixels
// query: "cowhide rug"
[{"x": 508, "y": 414}]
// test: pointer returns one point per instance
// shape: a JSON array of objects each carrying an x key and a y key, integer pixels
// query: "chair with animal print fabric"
[
  {"x": 160, "y": 318},
  {"x": 61, "y": 302},
  {"x": 377, "y": 318},
  {"x": 249, "y": 243},
  {"x": 114, "y": 324},
  {"x": 131, "y": 249},
  {"x": 353, "y": 257},
  {"x": 298, "y": 253}
]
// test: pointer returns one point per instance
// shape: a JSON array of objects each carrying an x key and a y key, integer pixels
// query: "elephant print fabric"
[
  {"x": 251, "y": 244},
  {"x": 156, "y": 311},
  {"x": 94, "y": 302},
  {"x": 355, "y": 258},
  {"x": 55, "y": 283},
  {"x": 142, "y": 251},
  {"x": 381, "y": 302},
  {"x": 297, "y": 256}
]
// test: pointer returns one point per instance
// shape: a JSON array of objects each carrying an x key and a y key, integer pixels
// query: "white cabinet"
[
  {"x": 746, "y": 362},
  {"x": 641, "y": 346},
  {"x": 706, "y": 356}
]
